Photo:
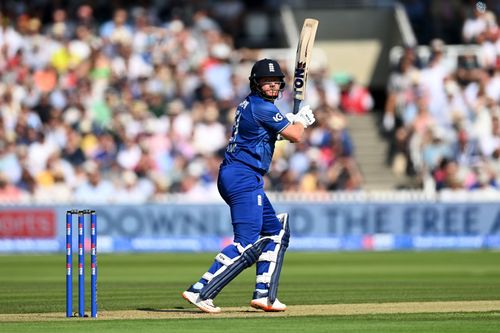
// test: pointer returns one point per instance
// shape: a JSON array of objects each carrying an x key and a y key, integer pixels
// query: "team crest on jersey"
[{"x": 278, "y": 117}]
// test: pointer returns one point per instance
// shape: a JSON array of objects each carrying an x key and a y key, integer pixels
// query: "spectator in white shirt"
[{"x": 94, "y": 189}]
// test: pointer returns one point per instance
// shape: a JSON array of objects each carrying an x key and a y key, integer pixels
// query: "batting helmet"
[{"x": 266, "y": 68}]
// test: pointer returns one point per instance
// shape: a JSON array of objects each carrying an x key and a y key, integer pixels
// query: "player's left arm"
[{"x": 293, "y": 132}]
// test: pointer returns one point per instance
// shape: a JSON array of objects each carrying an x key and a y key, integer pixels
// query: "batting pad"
[{"x": 271, "y": 260}]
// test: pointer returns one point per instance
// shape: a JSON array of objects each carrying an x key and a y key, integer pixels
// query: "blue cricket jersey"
[{"x": 256, "y": 126}]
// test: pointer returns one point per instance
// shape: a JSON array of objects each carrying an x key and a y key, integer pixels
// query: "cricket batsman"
[{"x": 260, "y": 236}]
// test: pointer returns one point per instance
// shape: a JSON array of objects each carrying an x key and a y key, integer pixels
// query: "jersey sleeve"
[{"x": 270, "y": 117}]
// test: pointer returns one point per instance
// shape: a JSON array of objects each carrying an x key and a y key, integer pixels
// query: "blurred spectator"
[
  {"x": 209, "y": 127},
  {"x": 468, "y": 69},
  {"x": 490, "y": 140},
  {"x": 465, "y": 150},
  {"x": 10, "y": 193},
  {"x": 321, "y": 90},
  {"x": 402, "y": 91},
  {"x": 343, "y": 173},
  {"x": 72, "y": 152},
  {"x": 354, "y": 98},
  {"x": 39, "y": 152},
  {"x": 57, "y": 191},
  {"x": 130, "y": 191},
  {"x": 10, "y": 167},
  {"x": 11, "y": 40},
  {"x": 85, "y": 17},
  {"x": 106, "y": 151},
  {"x": 435, "y": 148},
  {"x": 130, "y": 153},
  {"x": 93, "y": 188},
  {"x": 217, "y": 71},
  {"x": 488, "y": 52},
  {"x": 117, "y": 30},
  {"x": 477, "y": 24},
  {"x": 60, "y": 27},
  {"x": 431, "y": 83},
  {"x": 447, "y": 176}
]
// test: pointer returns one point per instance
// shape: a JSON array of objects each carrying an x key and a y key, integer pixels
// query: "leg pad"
[{"x": 228, "y": 272}]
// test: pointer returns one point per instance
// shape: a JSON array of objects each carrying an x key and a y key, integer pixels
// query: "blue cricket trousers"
[{"x": 252, "y": 214}]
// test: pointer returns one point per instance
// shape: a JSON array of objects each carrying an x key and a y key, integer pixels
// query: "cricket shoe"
[
  {"x": 263, "y": 303},
  {"x": 206, "y": 305}
]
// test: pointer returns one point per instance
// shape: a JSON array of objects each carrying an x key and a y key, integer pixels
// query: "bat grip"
[{"x": 296, "y": 105}]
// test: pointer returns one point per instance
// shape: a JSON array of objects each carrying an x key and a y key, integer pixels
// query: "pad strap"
[
  {"x": 223, "y": 259},
  {"x": 264, "y": 278},
  {"x": 207, "y": 276},
  {"x": 235, "y": 266},
  {"x": 269, "y": 256}
]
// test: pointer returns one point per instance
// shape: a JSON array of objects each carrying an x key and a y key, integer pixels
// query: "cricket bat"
[{"x": 302, "y": 61}]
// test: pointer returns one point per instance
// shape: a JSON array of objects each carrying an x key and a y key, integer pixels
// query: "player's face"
[{"x": 270, "y": 86}]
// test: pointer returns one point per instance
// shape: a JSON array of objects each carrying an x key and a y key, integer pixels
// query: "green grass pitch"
[{"x": 33, "y": 284}]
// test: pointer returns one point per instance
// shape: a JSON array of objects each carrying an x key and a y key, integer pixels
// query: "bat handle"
[{"x": 296, "y": 105}]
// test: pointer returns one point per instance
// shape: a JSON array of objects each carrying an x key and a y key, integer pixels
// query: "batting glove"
[{"x": 305, "y": 116}]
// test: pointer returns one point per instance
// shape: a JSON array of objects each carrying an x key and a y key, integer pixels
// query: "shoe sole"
[
  {"x": 259, "y": 306},
  {"x": 206, "y": 310}
]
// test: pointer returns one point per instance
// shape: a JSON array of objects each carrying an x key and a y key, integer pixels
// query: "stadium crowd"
[
  {"x": 444, "y": 112},
  {"x": 132, "y": 108}
]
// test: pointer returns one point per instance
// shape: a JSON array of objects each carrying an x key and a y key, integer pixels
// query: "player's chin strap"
[
  {"x": 275, "y": 258},
  {"x": 231, "y": 267}
]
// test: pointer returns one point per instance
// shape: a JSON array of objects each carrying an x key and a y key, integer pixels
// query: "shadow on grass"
[
  {"x": 180, "y": 309},
  {"x": 176, "y": 309}
]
